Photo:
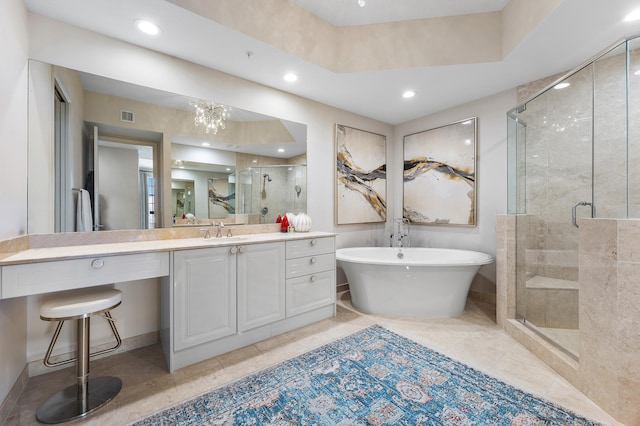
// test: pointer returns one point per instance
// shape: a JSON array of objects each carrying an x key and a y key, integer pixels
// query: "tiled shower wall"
[
  {"x": 608, "y": 369},
  {"x": 610, "y": 316}
]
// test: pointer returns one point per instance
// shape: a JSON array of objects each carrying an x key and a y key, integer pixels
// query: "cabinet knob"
[
  {"x": 314, "y": 242},
  {"x": 233, "y": 250},
  {"x": 314, "y": 260},
  {"x": 97, "y": 263},
  {"x": 313, "y": 278},
  {"x": 243, "y": 249}
]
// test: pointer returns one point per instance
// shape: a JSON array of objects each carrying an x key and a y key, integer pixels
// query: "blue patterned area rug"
[{"x": 373, "y": 377}]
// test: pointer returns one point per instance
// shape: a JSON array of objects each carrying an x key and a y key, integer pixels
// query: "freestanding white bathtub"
[{"x": 420, "y": 282}]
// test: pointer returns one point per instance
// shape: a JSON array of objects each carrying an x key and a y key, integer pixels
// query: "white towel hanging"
[{"x": 84, "y": 217}]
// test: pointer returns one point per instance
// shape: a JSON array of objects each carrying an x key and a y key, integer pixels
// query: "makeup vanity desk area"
[{"x": 217, "y": 294}]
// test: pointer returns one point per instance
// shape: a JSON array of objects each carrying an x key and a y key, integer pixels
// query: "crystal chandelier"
[
  {"x": 362, "y": 3},
  {"x": 210, "y": 115}
]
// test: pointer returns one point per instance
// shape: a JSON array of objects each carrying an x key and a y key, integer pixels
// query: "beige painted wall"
[{"x": 13, "y": 173}]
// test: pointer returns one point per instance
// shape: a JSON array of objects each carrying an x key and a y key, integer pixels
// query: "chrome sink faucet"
[{"x": 219, "y": 232}]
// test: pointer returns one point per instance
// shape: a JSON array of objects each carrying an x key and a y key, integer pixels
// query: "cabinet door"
[
  {"x": 204, "y": 296},
  {"x": 261, "y": 284},
  {"x": 310, "y": 292}
]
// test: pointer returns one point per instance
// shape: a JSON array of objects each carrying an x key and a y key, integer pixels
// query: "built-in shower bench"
[
  {"x": 541, "y": 282},
  {"x": 552, "y": 302}
]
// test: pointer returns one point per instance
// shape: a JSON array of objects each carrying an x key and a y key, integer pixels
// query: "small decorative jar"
[{"x": 302, "y": 222}]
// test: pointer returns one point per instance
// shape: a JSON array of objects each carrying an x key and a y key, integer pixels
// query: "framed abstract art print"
[{"x": 439, "y": 177}]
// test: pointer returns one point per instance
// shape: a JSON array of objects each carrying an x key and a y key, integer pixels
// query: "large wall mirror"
[{"x": 108, "y": 155}]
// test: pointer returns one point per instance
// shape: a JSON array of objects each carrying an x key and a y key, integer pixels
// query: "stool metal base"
[{"x": 65, "y": 405}]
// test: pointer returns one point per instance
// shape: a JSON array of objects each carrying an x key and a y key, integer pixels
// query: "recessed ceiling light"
[
  {"x": 205, "y": 143},
  {"x": 280, "y": 149},
  {"x": 290, "y": 77},
  {"x": 562, "y": 85},
  {"x": 408, "y": 94},
  {"x": 633, "y": 16},
  {"x": 147, "y": 27}
]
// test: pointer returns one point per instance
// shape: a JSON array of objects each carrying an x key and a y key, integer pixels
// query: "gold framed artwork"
[
  {"x": 439, "y": 177},
  {"x": 361, "y": 176}
]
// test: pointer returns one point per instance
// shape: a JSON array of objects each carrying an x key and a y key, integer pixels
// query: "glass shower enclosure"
[
  {"x": 573, "y": 152},
  {"x": 264, "y": 192}
]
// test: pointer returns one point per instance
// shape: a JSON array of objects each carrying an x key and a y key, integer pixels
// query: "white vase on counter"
[{"x": 302, "y": 222}]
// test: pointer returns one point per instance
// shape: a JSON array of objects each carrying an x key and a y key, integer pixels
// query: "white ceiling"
[{"x": 575, "y": 31}]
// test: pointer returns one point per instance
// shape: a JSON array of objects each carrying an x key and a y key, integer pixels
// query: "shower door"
[
  {"x": 568, "y": 160},
  {"x": 554, "y": 181}
]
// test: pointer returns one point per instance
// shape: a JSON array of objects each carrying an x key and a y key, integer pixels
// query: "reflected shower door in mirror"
[
  {"x": 128, "y": 117},
  {"x": 269, "y": 191}
]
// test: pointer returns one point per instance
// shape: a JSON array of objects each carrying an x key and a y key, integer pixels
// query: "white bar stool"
[{"x": 86, "y": 395}]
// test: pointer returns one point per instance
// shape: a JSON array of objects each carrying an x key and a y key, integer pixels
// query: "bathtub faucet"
[{"x": 402, "y": 234}]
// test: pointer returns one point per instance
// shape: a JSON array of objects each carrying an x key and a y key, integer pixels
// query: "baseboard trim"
[
  {"x": 14, "y": 394},
  {"x": 37, "y": 367},
  {"x": 483, "y": 297}
]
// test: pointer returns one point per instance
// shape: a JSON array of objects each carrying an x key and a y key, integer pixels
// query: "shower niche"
[{"x": 264, "y": 192}]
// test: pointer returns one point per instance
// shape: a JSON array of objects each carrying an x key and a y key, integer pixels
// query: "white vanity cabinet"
[
  {"x": 222, "y": 298},
  {"x": 204, "y": 296},
  {"x": 261, "y": 285},
  {"x": 311, "y": 276},
  {"x": 216, "y": 295}
]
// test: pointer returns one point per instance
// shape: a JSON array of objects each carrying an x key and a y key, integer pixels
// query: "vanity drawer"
[
  {"x": 310, "y": 292},
  {"x": 310, "y": 264},
  {"x": 44, "y": 277},
  {"x": 310, "y": 246}
]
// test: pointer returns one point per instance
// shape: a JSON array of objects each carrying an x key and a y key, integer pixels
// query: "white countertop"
[{"x": 33, "y": 255}]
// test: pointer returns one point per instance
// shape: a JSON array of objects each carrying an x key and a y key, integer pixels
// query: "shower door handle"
[{"x": 574, "y": 218}]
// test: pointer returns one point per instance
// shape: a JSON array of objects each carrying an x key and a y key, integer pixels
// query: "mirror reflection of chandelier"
[{"x": 210, "y": 115}]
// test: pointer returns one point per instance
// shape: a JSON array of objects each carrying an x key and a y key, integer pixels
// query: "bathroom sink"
[{"x": 225, "y": 239}]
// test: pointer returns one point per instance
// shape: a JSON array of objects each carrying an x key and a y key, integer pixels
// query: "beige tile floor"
[{"x": 472, "y": 338}]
